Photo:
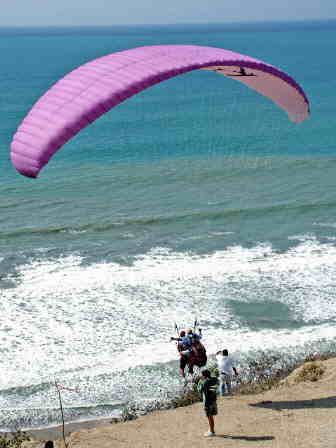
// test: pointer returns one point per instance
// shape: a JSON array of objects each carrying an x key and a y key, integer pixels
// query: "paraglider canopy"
[{"x": 94, "y": 88}]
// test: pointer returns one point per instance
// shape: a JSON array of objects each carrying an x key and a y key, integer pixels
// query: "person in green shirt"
[{"x": 207, "y": 386}]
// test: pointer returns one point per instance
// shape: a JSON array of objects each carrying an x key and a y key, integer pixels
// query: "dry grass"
[{"x": 311, "y": 371}]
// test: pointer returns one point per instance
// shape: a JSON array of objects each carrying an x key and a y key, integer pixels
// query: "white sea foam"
[
  {"x": 66, "y": 318},
  {"x": 325, "y": 224}
]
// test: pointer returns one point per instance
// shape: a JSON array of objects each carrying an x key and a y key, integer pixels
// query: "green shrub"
[
  {"x": 189, "y": 397},
  {"x": 14, "y": 440},
  {"x": 129, "y": 412}
]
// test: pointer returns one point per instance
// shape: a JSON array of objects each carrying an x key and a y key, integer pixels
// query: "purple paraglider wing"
[{"x": 94, "y": 88}]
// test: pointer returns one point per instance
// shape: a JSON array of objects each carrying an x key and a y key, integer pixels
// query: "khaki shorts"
[{"x": 211, "y": 409}]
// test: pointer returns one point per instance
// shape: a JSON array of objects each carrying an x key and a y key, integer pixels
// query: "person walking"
[
  {"x": 226, "y": 369},
  {"x": 207, "y": 386}
]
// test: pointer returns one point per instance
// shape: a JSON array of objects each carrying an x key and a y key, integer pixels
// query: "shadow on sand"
[
  {"x": 322, "y": 403},
  {"x": 247, "y": 438}
]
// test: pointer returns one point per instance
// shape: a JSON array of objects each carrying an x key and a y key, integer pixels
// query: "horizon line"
[{"x": 228, "y": 23}]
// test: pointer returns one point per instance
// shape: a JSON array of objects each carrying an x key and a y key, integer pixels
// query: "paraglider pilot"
[{"x": 185, "y": 347}]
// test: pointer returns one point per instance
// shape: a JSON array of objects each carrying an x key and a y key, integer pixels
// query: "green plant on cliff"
[{"x": 14, "y": 440}]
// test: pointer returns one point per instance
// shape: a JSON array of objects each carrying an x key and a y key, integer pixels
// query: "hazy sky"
[{"x": 110, "y": 12}]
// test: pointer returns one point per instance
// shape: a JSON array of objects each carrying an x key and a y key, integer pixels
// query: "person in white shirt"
[{"x": 226, "y": 369}]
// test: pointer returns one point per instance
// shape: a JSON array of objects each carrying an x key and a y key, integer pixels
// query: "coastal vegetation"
[{"x": 14, "y": 440}]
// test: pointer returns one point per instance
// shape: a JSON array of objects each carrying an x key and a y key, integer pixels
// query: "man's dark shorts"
[
  {"x": 211, "y": 409},
  {"x": 183, "y": 362}
]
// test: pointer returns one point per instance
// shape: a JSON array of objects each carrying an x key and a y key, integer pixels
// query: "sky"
[{"x": 122, "y": 12}]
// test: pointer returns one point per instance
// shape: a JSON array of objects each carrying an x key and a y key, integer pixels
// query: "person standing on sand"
[
  {"x": 207, "y": 386},
  {"x": 226, "y": 368}
]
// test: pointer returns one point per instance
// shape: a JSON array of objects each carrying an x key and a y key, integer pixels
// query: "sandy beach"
[{"x": 292, "y": 415}]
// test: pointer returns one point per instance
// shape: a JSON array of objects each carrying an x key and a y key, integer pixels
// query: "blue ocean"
[{"x": 196, "y": 198}]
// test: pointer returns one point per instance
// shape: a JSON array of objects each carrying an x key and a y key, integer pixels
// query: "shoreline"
[{"x": 55, "y": 432}]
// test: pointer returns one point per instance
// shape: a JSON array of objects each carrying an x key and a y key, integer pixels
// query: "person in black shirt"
[{"x": 208, "y": 388}]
